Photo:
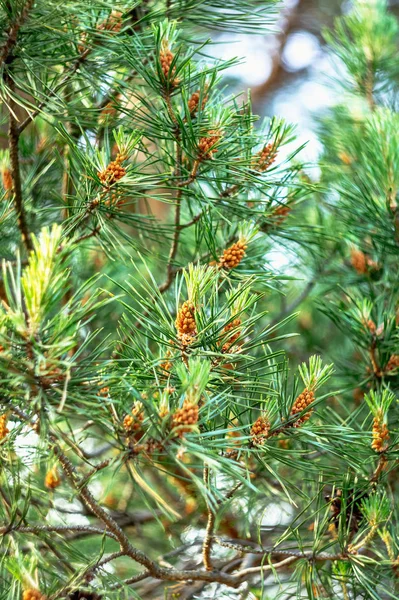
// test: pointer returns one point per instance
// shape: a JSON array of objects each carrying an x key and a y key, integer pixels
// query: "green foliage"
[{"x": 154, "y": 438}]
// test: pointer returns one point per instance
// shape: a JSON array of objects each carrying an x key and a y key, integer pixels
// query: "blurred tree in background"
[{"x": 155, "y": 440}]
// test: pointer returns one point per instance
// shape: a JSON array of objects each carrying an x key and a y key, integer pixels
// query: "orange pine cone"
[
  {"x": 232, "y": 256},
  {"x": 113, "y": 172},
  {"x": 3, "y": 427},
  {"x": 359, "y": 261},
  {"x": 185, "y": 323},
  {"x": 303, "y": 401},
  {"x": 231, "y": 341},
  {"x": 33, "y": 595},
  {"x": 6, "y": 179},
  {"x": 185, "y": 417},
  {"x": 193, "y": 102},
  {"x": 260, "y": 431},
  {"x": 52, "y": 480},
  {"x": 265, "y": 158},
  {"x": 133, "y": 423},
  {"x": 206, "y": 145},
  {"x": 380, "y": 434}
]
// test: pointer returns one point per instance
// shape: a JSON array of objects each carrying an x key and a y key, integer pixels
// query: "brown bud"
[
  {"x": 233, "y": 338},
  {"x": 194, "y": 100},
  {"x": 359, "y": 261},
  {"x": 265, "y": 158},
  {"x": 52, "y": 479},
  {"x": 185, "y": 323},
  {"x": 380, "y": 434},
  {"x": 6, "y": 178},
  {"x": 393, "y": 363}
]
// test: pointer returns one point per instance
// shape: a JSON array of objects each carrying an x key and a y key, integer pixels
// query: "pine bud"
[
  {"x": 232, "y": 256},
  {"x": 359, "y": 261},
  {"x": 113, "y": 172},
  {"x": 33, "y": 595},
  {"x": 52, "y": 480},
  {"x": 206, "y": 145},
  {"x": 393, "y": 363},
  {"x": 380, "y": 434},
  {"x": 3, "y": 427},
  {"x": 193, "y": 102},
  {"x": 185, "y": 417},
  {"x": 185, "y": 323},
  {"x": 260, "y": 431},
  {"x": 132, "y": 423},
  {"x": 303, "y": 401},
  {"x": 265, "y": 158}
]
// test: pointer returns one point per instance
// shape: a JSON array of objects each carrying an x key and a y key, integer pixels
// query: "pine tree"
[{"x": 151, "y": 427}]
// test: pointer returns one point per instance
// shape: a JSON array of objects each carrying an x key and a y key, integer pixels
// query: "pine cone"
[
  {"x": 3, "y": 427},
  {"x": 260, "y": 431},
  {"x": 380, "y": 434},
  {"x": 231, "y": 341},
  {"x": 206, "y": 145},
  {"x": 185, "y": 323},
  {"x": 6, "y": 179},
  {"x": 185, "y": 418},
  {"x": 265, "y": 158},
  {"x": 33, "y": 595},
  {"x": 133, "y": 423},
  {"x": 359, "y": 261},
  {"x": 232, "y": 256},
  {"x": 113, "y": 172},
  {"x": 193, "y": 102},
  {"x": 52, "y": 480},
  {"x": 302, "y": 402}
]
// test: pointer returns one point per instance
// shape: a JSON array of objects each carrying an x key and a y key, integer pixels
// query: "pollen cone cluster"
[
  {"x": 166, "y": 58},
  {"x": 194, "y": 100},
  {"x": 233, "y": 255},
  {"x": 280, "y": 213},
  {"x": 113, "y": 172},
  {"x": 113, "y": 23},
  {"x": 393, "y": 363},
  {"x": 132, "y": 423},
  {"x": 234, "y": 337},
  {"x": 260, "y": 431},
  {"x": 206, "y": 145},
  {"x": 265, "y": 158},
  {"x": 185, "y": 323},
  {"x": 3, "y": 427},
  {"x": 52, "y": 479},
  {"x": 302, "y": 402},
  {"x": 33, "y": 595},
  {"x": 185, "y": 417},
  {"x": 380, "y": 434}
]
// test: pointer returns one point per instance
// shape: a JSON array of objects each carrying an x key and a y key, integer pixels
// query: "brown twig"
[
  {"x": 210, "y": 527},
  {"x": 12, "y": 32}
]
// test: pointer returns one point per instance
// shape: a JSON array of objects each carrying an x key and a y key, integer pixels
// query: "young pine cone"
[
  {"x": 206, "y": 145},
  {"x": 393, "y": 363},
  {"x": 359, "y": 261},
  {"x": 185, "y": 323},
  {"x": 193, "y": 102},
  {"x": 265, "y": 158},
  {"x": 380, "y": 434},
  {"x": 232, "y": 256},
  {"x": 132, "y": 423},
  {"x": 3, "y": 427},
  {"x": 302, "y": 402},
  {"x": 52, "y": 479},
  {"x": 6, "y": 179},
  {"x": 33, "y": 595},
  {"x": 260, "y": 431},
  {"x": 113, "y": 172},
  {"x": 231, "y": 341},
  {"x": 166, "y": 58},
  {"x": 185, "y": 417}
]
